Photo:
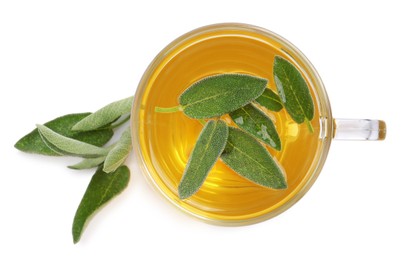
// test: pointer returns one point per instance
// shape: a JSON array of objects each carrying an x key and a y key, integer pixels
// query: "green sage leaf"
[
  {"x": 102, "y": 188},
  {"x": 117, "y": 155},
  {"x": 255, "y": 122},
  {"x": 209, "y": 146},
  {"x": 69, "y": 146},
  {"x": 220, "y": 94},
  {"x": 32, "y": 142},
  {"x": 105, "y": 115},
  {"x": 293, "y": 91},
  {"x": 270, "y": 100},
  {"x": 88, "y": 163},
  {"x": 247, "y": 157}
]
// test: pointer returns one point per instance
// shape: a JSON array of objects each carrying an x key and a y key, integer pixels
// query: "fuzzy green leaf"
[
  {"x": 119, "y": 152},
  {"x": 105, "y": 115},
  {"x": 270, "y": 100},
  {"x": 32, "y": 142},
  {"x": 102, "y": 188},
  {"x": 69, "y": 146},
  {"x": 293, "y": 91},
  {"x": 88, "y": 163},
  {"x": 220, "y": 94},
  {"x": 247, "y": 157},
  {"x": 207, "y": 150},
  {"x": 255, "y": 122}
]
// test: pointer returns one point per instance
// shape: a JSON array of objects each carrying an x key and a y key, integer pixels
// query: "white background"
[{"x": 59, "y": 57}]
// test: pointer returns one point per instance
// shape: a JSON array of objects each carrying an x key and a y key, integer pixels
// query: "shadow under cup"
[{"x": 163, "y": 142}]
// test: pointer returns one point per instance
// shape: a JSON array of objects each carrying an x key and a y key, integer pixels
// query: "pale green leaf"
[
  {"x": 88, "y": 163},
  {"x": 119, "y": 152},
  {"x": 69, "y": 146},
  {"x": 105, "y": 115},
  {"x": 33, "y": 143}
]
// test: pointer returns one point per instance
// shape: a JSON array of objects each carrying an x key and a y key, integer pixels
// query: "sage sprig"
[{"x": 84, "y": 135}]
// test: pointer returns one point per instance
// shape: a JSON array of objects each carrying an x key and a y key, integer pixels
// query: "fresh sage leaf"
[
  {"x": 88, "y": 163},
  {"x": 117, "y": 155},
  {"x": 32, "y": 142},
  {"x": 220, "y": 94},
  {"x": 209, "y": 146},
  {"x": 270, "y": 100},
  {"x": 293, "y": 91},
  {"x": 247, "y": 157},
  {"x": 69, "y": 146},
  {"x": 105, "y": 115},
  {"x": 102, "y": 188},
  {"x": 255, "y": 122}
]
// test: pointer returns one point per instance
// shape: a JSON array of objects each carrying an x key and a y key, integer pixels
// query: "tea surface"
[{"x": 167, "y": 140}]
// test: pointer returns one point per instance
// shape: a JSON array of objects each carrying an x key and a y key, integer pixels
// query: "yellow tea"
[{"x": 166, "y": 140}]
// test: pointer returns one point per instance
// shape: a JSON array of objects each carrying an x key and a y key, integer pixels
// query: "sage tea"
[{"x": 168, "y": 133}]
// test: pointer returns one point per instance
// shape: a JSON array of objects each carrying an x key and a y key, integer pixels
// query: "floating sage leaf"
[
  {"x": 69, "y": 146},
  {"x": 102, "y": 188},
  {"x": 117, "y": 155},
  {"x": 209, "y": 146},
  {"x": 220, "y": 94},
  {"x": 255, "y": 122},
  {"x": 32, "y": 142},
  {"x": 270, "y": 100},
  {"x": 88, "y": 163},
  {"x": 105, "y": 115},
  {"x": 293, "y": 91},
  {"x": 247, "y": 157}
]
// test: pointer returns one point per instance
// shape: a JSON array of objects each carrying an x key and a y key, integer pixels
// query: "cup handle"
[{"x": 359, "y": 129}]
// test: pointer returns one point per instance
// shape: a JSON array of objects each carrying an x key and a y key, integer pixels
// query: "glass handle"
[{"x": 359, "y": 129}]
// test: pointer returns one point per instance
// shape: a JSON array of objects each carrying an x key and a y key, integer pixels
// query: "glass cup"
[{"x": 163, "y": 142}]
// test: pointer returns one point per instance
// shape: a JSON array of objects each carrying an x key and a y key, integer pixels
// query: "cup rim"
[{"x": 294, "y": 53}]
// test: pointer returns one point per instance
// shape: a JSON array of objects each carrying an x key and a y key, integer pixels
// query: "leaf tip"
[
  {"x": 183, "y": 193},
  {"x": 18, "y": 145},
  {"x": 278, "y": 59},
  {"x": 75, "y": 240},
  {"x": 283, "y": 185}
]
